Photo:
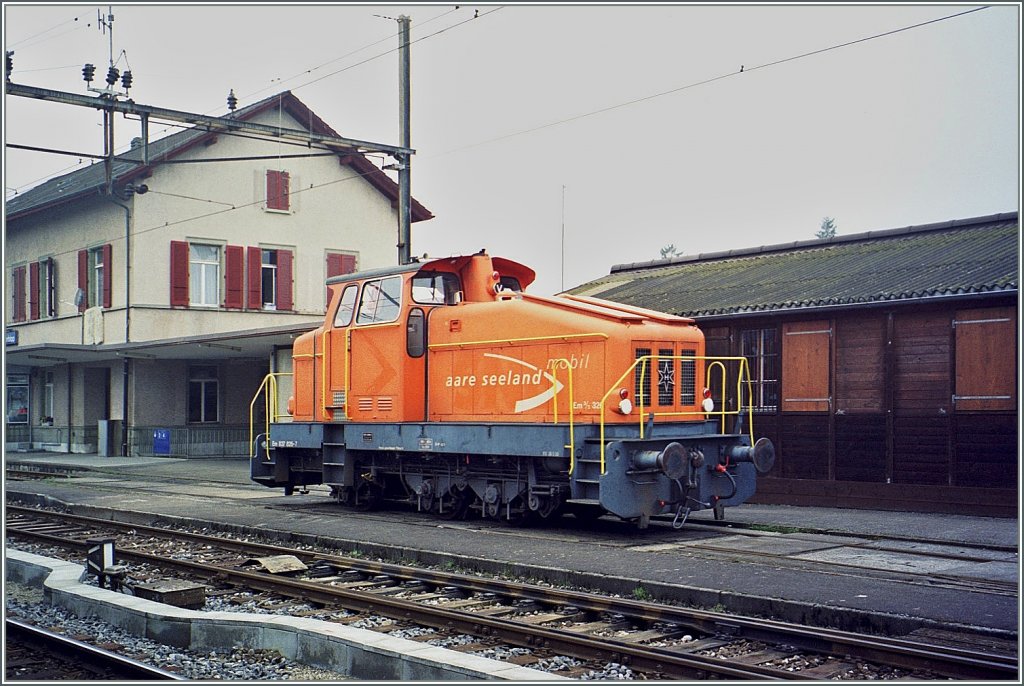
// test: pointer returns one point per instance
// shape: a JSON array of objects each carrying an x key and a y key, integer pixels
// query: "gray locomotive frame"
[{"x": 515, "y": 469}]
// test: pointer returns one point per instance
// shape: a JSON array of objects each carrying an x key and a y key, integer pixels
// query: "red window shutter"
[
  {"x": 33, "y": 290},
  {"x": 234, "y": 277},
  {"x": 108, "y": 274},
  {"x": 284, "y": 279},
  {"x": 83, "y": 279},
  {"x": 338, "y": 264},
  {"x": 179, "y": 274},
  {"x": 255, "y": 277},
  {"x": 18, "y": 294},
  {"x": 277, "y": 190}
]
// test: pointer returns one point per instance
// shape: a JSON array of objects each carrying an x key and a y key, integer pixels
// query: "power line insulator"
[
  {"x": 232, "y": 100},
  {"x": 112, "y": 75},
  {"x": 9, "y": 63},
  {"x": 126, "y": 79},
  {"x": 87, "y": 72}
]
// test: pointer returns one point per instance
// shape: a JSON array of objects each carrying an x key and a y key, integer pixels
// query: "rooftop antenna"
[{"x": 105, "y": 23}]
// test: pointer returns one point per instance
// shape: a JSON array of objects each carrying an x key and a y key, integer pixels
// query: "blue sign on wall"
[
  {"x": 10, "y": 336},
  {"x": 161, "y": 441}
]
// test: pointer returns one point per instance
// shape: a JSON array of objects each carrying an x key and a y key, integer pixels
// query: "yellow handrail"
[
  {"x": 269, "y": 405},
  {"x": 323, "y": 373},
  {"x": 572, "y": 407},
  {"x": 743, "y": 373}
]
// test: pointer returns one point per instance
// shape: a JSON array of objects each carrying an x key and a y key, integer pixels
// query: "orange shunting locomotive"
[{"x": 445, "y": 385}]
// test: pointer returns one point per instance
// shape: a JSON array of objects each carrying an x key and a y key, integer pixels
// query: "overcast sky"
[{"x": 639, "y": 117}]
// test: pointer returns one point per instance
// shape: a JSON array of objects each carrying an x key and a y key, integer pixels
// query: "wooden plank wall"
[{"x": 892, "y": 418}]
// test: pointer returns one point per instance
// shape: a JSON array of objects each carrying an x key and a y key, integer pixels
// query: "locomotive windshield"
[
  {"x": 435, "y": 288},
  {"x": 381, "y": 301}
]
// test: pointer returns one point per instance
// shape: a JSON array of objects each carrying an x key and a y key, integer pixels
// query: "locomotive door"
[
  {"x": 376, "y": 364},
  {"x": 336, "y": 356}
]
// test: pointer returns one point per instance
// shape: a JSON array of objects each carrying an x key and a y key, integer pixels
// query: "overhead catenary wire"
[
  {"x": 389, "y": 37},
  {"x": 22, "y": 43},
  {"x": 704, "y": 82},
  {"x": 278, "y": 84}
]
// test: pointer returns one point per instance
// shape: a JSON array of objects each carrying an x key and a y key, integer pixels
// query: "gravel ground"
[{"x": 26, "y": 604}]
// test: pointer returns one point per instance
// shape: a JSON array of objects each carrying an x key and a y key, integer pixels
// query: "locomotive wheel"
[
  {"x": 516, "y": 513},
  {"x": 367, "y": 496},
  {"x": 455, "y": 504},
  {"x": 545, "y": 508}
]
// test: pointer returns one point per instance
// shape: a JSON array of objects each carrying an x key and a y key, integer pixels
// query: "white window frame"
[
  {"x": 268, "y": 269},
  {"x": 198, "y": 269},
  {"x": 97, "y": 272}
]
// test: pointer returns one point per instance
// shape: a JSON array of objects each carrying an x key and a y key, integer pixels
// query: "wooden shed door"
[
  {"x": 986, "y": 359},
  {"x": 805, "y": 366}
]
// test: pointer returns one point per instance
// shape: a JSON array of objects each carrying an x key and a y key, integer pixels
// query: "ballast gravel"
[{"x": 241, "y": 664}]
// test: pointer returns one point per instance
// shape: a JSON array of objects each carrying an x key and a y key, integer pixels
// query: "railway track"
[
  {"x": 654, "y": 640},
  {"x": 32, "y": 653}
]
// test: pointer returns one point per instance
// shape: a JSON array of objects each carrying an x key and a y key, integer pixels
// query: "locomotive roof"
[
  {"x": 376, "y": 273},
  {"x": 449, "y": 264}
]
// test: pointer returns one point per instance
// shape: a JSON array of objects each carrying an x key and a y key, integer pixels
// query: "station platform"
[{"x": 665, "y": 563}]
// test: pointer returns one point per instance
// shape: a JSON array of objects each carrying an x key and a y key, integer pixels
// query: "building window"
[
  {"x": 761, "y": 348},
  {"x": 48, "y": 396},
  {"x": 203, "y": 394},
  {"x": 94, "y": 277},
  {"x": 43, "y": 289},
  {"x": 268, "y": 279},
  {"x": 17, "y": 399},
  {"x": 204, "y": 274},
  {"x": 278, "y": 190},
  {"x": 97, "y": 273}
]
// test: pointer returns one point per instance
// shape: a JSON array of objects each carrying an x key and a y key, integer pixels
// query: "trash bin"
[{"x": 161, "y": 441}]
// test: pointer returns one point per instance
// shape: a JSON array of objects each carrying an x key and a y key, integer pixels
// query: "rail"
[
  {"x": 268, "y": 388},
  {"x": 743, "y": 374}
]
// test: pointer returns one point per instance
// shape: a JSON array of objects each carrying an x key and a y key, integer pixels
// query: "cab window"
[
  {"x": 346, "y": 306},
  {"x": 381, "y": 301},
  {"x": 510, "y": 283},
  {"x": 435, "y": 288}
]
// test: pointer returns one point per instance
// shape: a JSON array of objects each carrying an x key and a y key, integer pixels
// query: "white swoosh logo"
[{"x": 537, "y": 400}]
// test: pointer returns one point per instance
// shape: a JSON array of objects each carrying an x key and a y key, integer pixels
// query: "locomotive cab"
[{"x": 367, "y": 362}]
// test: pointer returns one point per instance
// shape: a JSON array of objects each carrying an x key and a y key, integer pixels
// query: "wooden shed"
[{"x": 884, "y": 364}]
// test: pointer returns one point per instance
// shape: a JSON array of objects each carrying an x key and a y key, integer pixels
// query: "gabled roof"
[
  {"x": 128, "y": 167},
  {"x": 957, "y": 258}
]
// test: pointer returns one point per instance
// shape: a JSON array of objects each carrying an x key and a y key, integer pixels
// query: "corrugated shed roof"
[
  {"x": 128, "y": 166},
  {"x": 958, "y": 258}
]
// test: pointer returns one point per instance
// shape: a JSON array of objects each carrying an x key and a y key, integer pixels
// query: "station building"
[
  {"x": 145, "y": 320},
  {"x": 884, "y": 364}
]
